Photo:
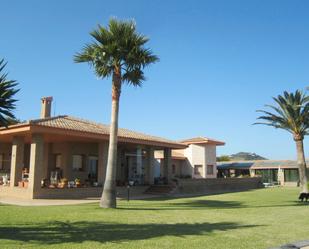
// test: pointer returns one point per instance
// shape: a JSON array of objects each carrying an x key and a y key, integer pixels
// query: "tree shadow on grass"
[
  {"x": 188, "y": 205},
  {"x": 78, "y": 232}
]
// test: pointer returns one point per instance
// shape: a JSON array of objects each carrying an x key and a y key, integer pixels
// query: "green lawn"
[{"x": 255, "y": 219}]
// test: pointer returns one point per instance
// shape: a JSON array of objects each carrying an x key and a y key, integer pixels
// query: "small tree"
[
  {"x": 117, "y": 51},
  {"x": 7, "y": 101},
  {"x": 291, "y": 114},
  {"x": 223, "y": 158}
]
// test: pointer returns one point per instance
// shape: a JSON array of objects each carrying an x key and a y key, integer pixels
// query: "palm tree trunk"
[
  {"x": 108, "y": 199},
  {"x": 301, "y": 162}
]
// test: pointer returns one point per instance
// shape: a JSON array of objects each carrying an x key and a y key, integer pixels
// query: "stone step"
[{"x": 160, "y": 189}]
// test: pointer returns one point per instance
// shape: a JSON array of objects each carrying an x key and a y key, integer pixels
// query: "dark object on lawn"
[{"x": 303, "y": 196}]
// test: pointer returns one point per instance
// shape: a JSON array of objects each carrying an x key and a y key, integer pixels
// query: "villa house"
[
  {"x": 197, "y": 160},
  {"x": 53, "y": 157}
]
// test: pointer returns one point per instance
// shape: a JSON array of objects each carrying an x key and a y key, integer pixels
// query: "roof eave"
[
  {"x": 217, "y": 143},
  {"x": 15, "y": 129},
  {"x": 35, "y": 128}
]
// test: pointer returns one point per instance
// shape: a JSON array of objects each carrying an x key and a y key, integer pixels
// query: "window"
[
  {"x": 198, "y": 170},
  {"x": 291, "y": 175},
  {"x": 210, "y": 169},
  {"x": 58, "y": 161},
  {"x": 77, "y": 162},
  {"x": 268, "y": 175}
]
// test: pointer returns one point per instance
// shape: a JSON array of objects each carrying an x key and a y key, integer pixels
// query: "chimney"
[{"x": 46, "y": 107}]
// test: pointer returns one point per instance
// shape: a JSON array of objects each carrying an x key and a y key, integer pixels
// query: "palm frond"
[
  {"x": 7, "y": 91},
  {"x": 291, "y": 113},
  {"x": 134, "y": 76},
  {"x": 118, "y": 46}
]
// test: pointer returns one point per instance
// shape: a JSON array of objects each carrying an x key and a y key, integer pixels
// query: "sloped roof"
[
  {"x": 259, "y": 164},
  {"x": 234, "y": 165},
  {"x": 263, "y": 164},
  {"x": 202, "y": 140},
  {"x": 68, "y": 123}
]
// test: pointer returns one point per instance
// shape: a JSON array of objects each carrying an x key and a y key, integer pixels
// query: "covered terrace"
[{"x": 48, "y": 157}]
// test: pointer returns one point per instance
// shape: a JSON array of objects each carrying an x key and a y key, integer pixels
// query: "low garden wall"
[
  {"x": 68, "y": 193},
  {"x": 217, "y": 185},
  {"x": 85, "y": 192},
  {"x": 20, "y": 193},
  {"x": 184, "y": 186},
  {"x": 291, "y": 184}
]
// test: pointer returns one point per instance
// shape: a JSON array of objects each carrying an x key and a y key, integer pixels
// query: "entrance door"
[{"x": 93, "y": 169}]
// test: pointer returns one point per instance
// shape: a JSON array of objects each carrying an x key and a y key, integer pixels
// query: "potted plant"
[
  {"x": 63, "y": 183},
  {"x": 26, "y": 183},
  {"x": 52, "y": 186},
  {"x": 44, "y": 183},
  {"x": 77, "y": 182}
]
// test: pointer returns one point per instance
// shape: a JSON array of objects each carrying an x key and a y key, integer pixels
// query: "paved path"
[
  {"x": 57, "y": 202},
  {"x": 43, "y": 202},
  {"x": 303, "y": 244}
]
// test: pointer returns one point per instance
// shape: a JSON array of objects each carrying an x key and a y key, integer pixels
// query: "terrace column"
[
  {"x": 167, "y": 164},
  {"x": 17, "y": 160},
  {"x": 149, "y": 176},
  {"x": 252, "y": 172},
  {"x": 102, "y": 161},
  {"x": 139, "y": 163},
  {"x": 36, "y": 172},
  {"x": 281, "y": 176}
]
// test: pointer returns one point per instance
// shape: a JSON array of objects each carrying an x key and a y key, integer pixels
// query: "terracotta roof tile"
[
  {"x": 259, "y": 164},
  {"x": 201, "y": 140},
  {"x": 77, "y": 124}
]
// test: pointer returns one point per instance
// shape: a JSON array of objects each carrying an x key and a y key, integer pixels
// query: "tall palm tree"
[
  {"x": 7, "y": 101},
  {"x": 291, "y": 114},
  {"x": 117, "y": 51}
]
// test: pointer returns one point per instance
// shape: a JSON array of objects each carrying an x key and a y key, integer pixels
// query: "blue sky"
[{"x": 219, "y": 62}]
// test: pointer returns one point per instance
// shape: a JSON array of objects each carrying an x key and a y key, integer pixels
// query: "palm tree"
[
  {"x": 7, "y": 92},
  {"x": 117, "y": 51},
  {"x": 291, "y": 114}
]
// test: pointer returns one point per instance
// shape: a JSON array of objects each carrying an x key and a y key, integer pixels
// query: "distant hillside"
[
  {"x": 246, "y": 156},
  {"x": 241, "y": 156}
]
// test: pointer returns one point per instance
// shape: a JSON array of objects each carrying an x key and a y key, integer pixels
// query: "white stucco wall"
[
  {"x": 210, "y": 154},
  {"x": 200, "y": 155},
  {"x": 178, "y": 167},
  {"x": 196, "y": 156}
]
